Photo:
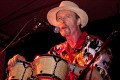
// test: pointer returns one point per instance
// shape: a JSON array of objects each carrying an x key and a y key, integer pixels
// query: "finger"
[{"x": 21, "y": 58}]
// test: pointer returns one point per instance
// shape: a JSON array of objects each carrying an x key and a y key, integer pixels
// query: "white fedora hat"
[{"x": 67, "y": 5}]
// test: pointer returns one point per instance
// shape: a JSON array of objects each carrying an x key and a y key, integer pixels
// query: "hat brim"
[{"x": 51, "y": 16}]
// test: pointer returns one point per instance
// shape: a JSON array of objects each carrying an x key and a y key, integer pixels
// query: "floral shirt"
[{"x": 84, "y": 51}]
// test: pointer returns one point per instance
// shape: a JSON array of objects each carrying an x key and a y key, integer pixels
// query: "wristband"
[{"x": 74, "y": 67}]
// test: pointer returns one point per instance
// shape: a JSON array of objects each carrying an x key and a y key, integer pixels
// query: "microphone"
[{"x": 54, "y": 28}]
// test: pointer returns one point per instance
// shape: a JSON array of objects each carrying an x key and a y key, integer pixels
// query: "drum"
[
  {"x": 50, "y": 67},
  {"x": 21, "y": 71}
]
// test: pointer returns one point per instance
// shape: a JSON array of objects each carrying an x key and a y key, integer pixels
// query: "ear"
[{"x": 78, "y": 21}]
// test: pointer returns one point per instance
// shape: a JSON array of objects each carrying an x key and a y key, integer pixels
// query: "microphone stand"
[
  {"x": 84, "y": 72},
  {"x": 13, "y": 42},
  {"x": 16, "y": 42}
]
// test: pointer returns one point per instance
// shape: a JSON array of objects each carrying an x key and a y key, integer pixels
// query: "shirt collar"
[{"x": 81, "y": 40}]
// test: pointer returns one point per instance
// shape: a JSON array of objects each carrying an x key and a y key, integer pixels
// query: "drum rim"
[
  {"x": 54, "y": 56},
  {"x": 48, "y": 75}
]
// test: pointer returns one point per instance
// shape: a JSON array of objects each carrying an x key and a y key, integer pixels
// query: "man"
[{"x": 79, "y": 48}]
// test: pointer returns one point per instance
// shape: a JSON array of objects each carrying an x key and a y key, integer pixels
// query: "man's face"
[{"x": 67, "y": 22}]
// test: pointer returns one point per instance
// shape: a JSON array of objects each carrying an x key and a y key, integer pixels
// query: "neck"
[{"x": 72, "y": 39}]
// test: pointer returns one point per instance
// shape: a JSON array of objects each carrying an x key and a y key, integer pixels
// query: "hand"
[{"x": 14, "y": 60}]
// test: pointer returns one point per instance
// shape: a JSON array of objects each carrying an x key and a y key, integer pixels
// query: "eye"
[
  {"x": 59, "y": 18},
  {"x": 68, "y": 16}
]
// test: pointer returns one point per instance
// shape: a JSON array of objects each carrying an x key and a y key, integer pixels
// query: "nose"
[{"x": 62, "y": 20}]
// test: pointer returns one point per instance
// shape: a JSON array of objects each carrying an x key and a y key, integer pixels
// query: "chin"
[{"x": 65, "y": 34}]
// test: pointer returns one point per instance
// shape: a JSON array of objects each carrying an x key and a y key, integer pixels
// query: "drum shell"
[
  {"x": 21, "y": 71},
  {"x": 50, "y": 66}
]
